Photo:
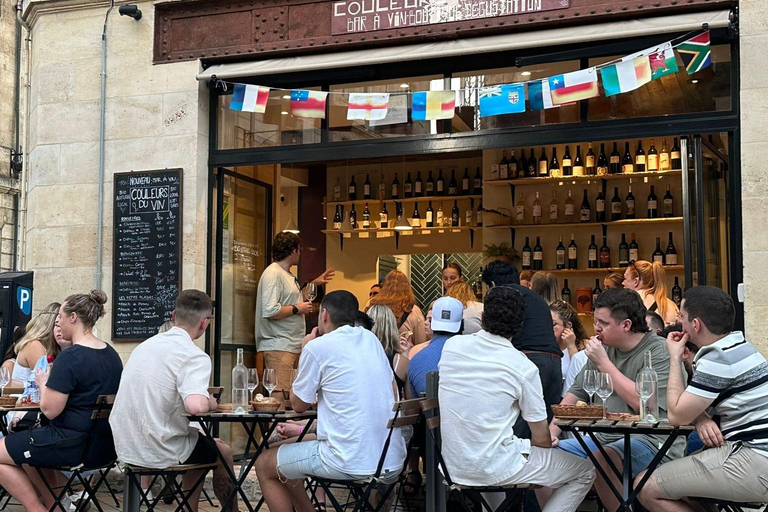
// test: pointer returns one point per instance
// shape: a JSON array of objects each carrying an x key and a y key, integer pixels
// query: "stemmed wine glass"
[
  {"x": 310, "y": 292},
  {"x": 5, "y": 378},
  {"x": 253, "y": 380},
  {"x": 644, "y": 388},
  {"x": 590, "y": 383},
  {"x": 270, "y": 380},
  {"x": 604, "y": 388}
]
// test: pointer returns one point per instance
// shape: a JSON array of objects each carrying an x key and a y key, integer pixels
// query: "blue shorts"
[
  {"x": 642, "y": 453},
  {"x": 298, "y": 461}
]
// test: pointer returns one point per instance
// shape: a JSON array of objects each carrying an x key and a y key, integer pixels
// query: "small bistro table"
[
  {"x": 14, "y": 408},
  {"x": 628, "y": 495}
]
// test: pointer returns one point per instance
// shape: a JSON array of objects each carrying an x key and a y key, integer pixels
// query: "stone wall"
[
  {"x": 8, "y": 186},
  {"x": 156, "y": 118},
  {"x": 754, "y": 186}
]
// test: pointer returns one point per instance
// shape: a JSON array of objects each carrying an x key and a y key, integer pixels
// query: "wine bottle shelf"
[
  {"x": 580, "y": 179},
  {"x": 668, "y": 268},
  {"x": 622, "y": 222},
  {"x": 449, "y": 229},
  {"x": 423, "y": 199}
]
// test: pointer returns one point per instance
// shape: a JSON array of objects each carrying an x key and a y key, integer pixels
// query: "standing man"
[{"x": 280, "y": 309}]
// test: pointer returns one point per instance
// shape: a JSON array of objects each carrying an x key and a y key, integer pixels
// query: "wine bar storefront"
[{"x": 578, "y": 190}]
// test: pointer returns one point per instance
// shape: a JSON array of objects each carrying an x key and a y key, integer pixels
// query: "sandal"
[
  {"x": 320, "y": 507},
  {"x": 412, "y": 483}
]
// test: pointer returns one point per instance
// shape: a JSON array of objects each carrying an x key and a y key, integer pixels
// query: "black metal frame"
[{"x": 170, "y": 481}]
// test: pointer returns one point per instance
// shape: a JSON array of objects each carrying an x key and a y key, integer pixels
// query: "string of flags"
[{"x": 618, "y": 76}]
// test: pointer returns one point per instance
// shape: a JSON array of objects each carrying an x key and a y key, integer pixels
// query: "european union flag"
[{"x": 502, "y": 99}]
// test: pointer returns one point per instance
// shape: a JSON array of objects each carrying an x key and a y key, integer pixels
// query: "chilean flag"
[
  {"x": 570, "y": 87},
  {"x": 309, "y": 104}
]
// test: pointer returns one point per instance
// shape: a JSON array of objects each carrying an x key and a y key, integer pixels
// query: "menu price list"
[{"x": 147, "y": 251}]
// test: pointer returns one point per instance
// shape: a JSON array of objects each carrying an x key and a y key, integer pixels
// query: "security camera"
[{"x": 131, "y": 11}]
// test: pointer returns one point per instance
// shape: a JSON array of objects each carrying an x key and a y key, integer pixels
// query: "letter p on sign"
[{"x": 24, "y": 299}]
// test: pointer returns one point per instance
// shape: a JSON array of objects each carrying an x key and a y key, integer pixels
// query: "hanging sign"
[{"x": 352, "y": 16}]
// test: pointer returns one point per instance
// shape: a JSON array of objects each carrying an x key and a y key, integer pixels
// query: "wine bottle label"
[
  {"x": 605, "y": 258},
  {"x": 479, "y": 217},
  {"x": 671, "y": 259},
  {"x": 593, "y": 255},
  {"x": 439, "y": 217},
  {"x": 623, "y": 258},
  {"x": 477, "y": 184},
  {"x": 652, "y": 205},
  {"x": 602, "y": 171},
  {"x": 567, "y": 162},
  {"x": 600, "y": 205},
  {"x": 526, "y": 259},
  {"x": 337, "y": 225},
  {"x": 585, "y": 215},
  {"x": 408, "y": 188},
  {"x": 578, "y": 170},
  {"x": 538, "y": 255},
  {"x": 630, "y": 206},
  {"x": 430, "y": 188},
  {"x": 520, "y": 212},
  {"x": 440, "y": 186},
  {"x": 553, "y": 213},
  {"x": 634, "y": 255},
  {"x": 627, "y": 168},
  {"x": 615, "y": 160},
  {"x": 465, "y": 184},
  {"x": 336, "y": 193},
  {"x": 429, "y": 217},
  {"x": 452, "y": 191},
  {"x": 417, "y": 187},
  {"x": 395, "y": 191},
  {"x": 537, "y": 210},
  {"x": 664, "y": 161},
  {"x": 570, "y": 210},
  {"x": 675, "y": 155},
  {"x": 572, "y": 253},
  {"x": 590, "y": 161},
  {"x": 503, "y": 172},
  {"x": 640, "y": 159},
  {"x": 367, "y": 190},
  {"x": 653, "y": 162},
  {"x": 658, "y": 258},
  {"x": 543, "y": 168},
  {"x": 381, "y": 190},
  {"x": 352, "y": 190},
  {"x": 513, "y": 169},
  {"x": 668, "y": 204},
  {"x": 560, "y": 258},
  {"x": 468, "y": 218},
  {"x": 616, "y": 207},
  {"x": 495, "y": 171},
  {"x": 383, "y": 217}
]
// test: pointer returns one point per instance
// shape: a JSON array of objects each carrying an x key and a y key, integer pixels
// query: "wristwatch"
[{"x": 295, "y": 309}]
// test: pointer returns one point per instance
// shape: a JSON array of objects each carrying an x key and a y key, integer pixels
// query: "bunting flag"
[
  {"x": 662, "y": 61},
  {"x": 626, "y": 76},
  {"x": 502, "y": 99},
  {"x": 367, "y": 107},
  {"x": 433, "y": 105},
  {"x": 309, "y": 104},
  {"x": 539, "y": 95},
  {"x": 695, "y": 53},
  {"x": 249, "y": 98},
  {"x": 575, "y": 86}
]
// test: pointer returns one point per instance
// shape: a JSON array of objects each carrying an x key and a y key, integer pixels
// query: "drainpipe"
[
  {"x": 102, "y": 114},
  {"x": 20, "y": 203}
]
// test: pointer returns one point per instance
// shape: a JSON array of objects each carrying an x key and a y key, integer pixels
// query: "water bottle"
[
  {"x": 34, "y": 393},
  {"x": 651, "y": 410},
  {"x": 240, "y": 385}
]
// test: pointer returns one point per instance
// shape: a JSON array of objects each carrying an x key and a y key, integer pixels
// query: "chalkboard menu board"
[{"x": 147, "y": 252}]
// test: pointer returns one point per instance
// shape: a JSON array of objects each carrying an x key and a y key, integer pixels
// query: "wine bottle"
[
  {"x": 634, "y": 250},
  {"x": 337, "y": 218},
  {"x": 408, "y": 187},
  {"x": 366, "y": 217},
  {"x": 623, "y": 252},
  {"x": 504, "y": 166},
  {"x": 554, "y": 165},
  {"x": 495, "y": 171},
  {"x": 560, "y": 255},
  {"x": 538, "y": 255},
  {"x": 430, "y": 187},
  {"x": 512, "y": 167},
  {"x": 440, "y": 184},
  {"x": 567, "y": 162},
  {"x": 629, "y": 201},
  {"x": 602, "y": 162},
  {"x": 675, "y": 160},
  {"x": 566, "y": 292},
  {"x": 382, "y": 190},
  {"x": 627, "y": 164},
  {"x": 477, "y": 183},
  {"x": 596, "y": 291},
  {"x": 653, "y": 157},
  {"x": 384, "y": 217},
  {"x": 353, "y": 217},
  {"x": 614, "y": 165},
  {"x": 573, "y": 254},
  {"x": 429, "y": 216},
  {"x": 352, "y": 190},
  {"x": 677, "y": 292},
  {"x": 669, "y": 204},
  {"x": 605, "y": 254},
  {"x": 239, "y": 386},
  {"x": 554, "y": 209},
  {"x": 590, "y": 160},
  {"x": 640, "y": 159},
  {"x": 570, "y": 208},
  {"x": 439, "y": 216},
  {"x": 398, "y": 210},
  {"x": 600, "y": 207},
  {"x": 418, "y": 186},
  {"x": 520, "y": 210},
  {"x": 537, "y": 209},
  {"x": 465, "y": 190},
  {"x": 455, "y": 214},
  {"x": 468, "y": 215},
  {"x": 337, "y": 190},
  {"x": 416, "y": 218},
  {"x": 543, "y": 163},
  {"x": 616, "y": 205},
  {"x": 664, "y": 163},
  {"x": 653, "y": 205},
  {"x": 367, "y": 187},
  {"x": 396, "y": 188},
  {"x": 585, "y": 213},
  {"x": 527, "y": 256},
  {"x": 453, "y": 186},
  {"x": 658, "y": 255},
  {"x": 532, "y": 166},
  {"x": 578, "y": 163},
  {"x": 592, "y": 254},
  {"x": 670, "y": 257},
  {"x": 479, "y": 221},
  {"x": 522, "y": 165}
]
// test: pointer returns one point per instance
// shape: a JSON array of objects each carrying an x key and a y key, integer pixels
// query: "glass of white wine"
[
  {"x": 590, "y": 383},
  {"x": 604, "y": 388}
]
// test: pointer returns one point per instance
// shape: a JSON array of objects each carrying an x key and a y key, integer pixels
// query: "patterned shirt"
[{"x": 735, "y": 375}]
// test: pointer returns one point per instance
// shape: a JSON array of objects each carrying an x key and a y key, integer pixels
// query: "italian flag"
[{"x": 626, "y": 76}]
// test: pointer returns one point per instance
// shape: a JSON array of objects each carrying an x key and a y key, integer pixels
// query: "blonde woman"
[
  {"x": 546, "y": 285},
  {"x": 473, "y": 310},
  {"x": 36, "y": 343},
  {"x": 397, "y": 294},
  {"x": 385, "y": 328},
  {"x": 649, "y": 280}
]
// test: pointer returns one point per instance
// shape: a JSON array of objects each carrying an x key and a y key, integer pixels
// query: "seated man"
[
  {"x": 445, "y": 321},
  {"x": 618, "y": 349},
  {"x": 731, "y": 378},
  {"x": 347, "y": 369},
  {"x": 485, "y": 384},
  {"x": 165, "y": 377}
]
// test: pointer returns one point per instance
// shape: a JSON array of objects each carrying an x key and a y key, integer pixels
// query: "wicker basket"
[
  {"x": 265, "y": 405},
  {"x": 7, "y": 401},
  {"x": 586, "y": 412}
]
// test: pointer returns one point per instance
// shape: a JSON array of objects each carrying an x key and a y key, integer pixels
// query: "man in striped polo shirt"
[{"x": 730, "y": 380}]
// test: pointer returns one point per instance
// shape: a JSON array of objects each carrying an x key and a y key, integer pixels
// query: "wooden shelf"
[
  {"x": 669, "y": 268},
  {"x": 392, "y": 230},
  {"x": 424, "y": 199},
  {"x": 561, "y": 225},
  {"x": 580, "y": 179}
]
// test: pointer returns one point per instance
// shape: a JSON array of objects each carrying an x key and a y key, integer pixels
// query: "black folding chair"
[
  {"x": 171, "y": 483},
  {"x": 514, "y": 494}
]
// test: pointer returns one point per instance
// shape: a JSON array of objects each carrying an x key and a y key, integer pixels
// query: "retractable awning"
[{"x": 438, "y": 49}]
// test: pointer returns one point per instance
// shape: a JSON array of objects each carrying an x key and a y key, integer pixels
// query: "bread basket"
[
  {"x": 8, "y": 401},
  {"x": 585, "y": 412},
  {"x": 266, "y": 405}
]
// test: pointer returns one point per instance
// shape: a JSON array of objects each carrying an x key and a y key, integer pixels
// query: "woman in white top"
[
  {"x": 36, "y": 342},
  {"x": 473, "y": 310},
  {"x": 649, "y": 280},
  {"x": 571, "y": 336}
]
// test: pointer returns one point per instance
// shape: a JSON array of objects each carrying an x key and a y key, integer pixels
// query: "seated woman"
[
  {"x": 397, "y": 294},
  {"x": 385, "y": 328},
  {"x": 571, "y": 338},
  {"x": 473, "y": 309},
  {"x": 68, "y": 394},
  {"x": 36, "y": 343}
]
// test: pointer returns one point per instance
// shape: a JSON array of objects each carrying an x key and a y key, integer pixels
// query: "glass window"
[{"x": 678, "y": 93}]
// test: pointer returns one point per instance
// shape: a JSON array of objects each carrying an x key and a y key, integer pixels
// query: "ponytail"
[{"x": 659, "y": 288}]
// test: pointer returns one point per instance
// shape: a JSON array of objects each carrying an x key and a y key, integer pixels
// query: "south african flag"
[{"x": 695, "y": 53}]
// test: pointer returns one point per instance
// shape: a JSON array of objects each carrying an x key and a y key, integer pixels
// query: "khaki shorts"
[
  {"x": 732, "y": 472},
  {"x": 283, "y": 363}
]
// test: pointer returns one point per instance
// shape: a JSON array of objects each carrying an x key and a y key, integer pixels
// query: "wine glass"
[
  {"x": 644, "y": 388},
  {"x": 253, "y": 380},
  {"x": 604, "y": 388},
  {"x": 310, "y": 292},
  {"x": 5, "y": 378},
  {"x": 270, "y": 380},
  {"x": 590, "y": 383}
]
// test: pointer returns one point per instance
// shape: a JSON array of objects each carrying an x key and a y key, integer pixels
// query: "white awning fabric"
[{"x": 476, "y": 45}]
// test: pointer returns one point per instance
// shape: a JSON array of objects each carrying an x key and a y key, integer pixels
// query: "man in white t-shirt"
[
  {"x": 485, "y": 385},
  {"x": 166, "y": 377},
  {"x": 346, "y": 368},
  {"x": 280, "y": 309}
]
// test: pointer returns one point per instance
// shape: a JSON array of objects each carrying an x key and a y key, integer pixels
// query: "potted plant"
[{"x": 503, "y": 251}]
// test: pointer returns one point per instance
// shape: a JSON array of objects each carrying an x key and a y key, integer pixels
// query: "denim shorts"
[
  {"x": 642, "y": 453},
  {"x": 298, "y": 461}
]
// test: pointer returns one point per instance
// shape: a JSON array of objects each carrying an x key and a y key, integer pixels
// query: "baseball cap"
[{"x": 447, "y": 314}]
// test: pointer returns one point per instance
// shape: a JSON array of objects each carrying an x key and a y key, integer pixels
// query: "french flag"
[{"x": 249, "y": 98}]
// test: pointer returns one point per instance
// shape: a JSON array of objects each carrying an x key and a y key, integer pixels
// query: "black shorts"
[
  {"x": 46, "y": 446},
  {"x": 205, "y": 451}
]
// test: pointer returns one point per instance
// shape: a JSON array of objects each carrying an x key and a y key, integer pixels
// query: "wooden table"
[
  {"x": 628, "y": 496},
  {"x": 14, "y": 408}
]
